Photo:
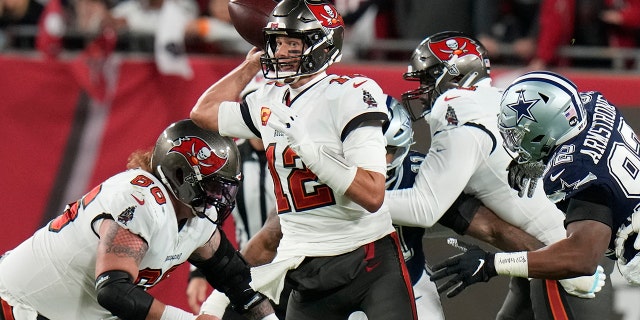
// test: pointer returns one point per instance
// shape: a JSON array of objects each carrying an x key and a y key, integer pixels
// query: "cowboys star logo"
[{"x": 522, "y": 107}]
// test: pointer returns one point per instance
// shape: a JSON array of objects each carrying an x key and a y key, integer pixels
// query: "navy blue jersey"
[
  {"x": 600, "y": 165},
  {"x": 410, "y": 237}
]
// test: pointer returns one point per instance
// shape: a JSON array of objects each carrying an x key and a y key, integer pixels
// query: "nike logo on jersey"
[
  {"x": 450, "y": 98},
  {"x": 140, "y": 202},
  {"x": 479, "y": 267},
  {"x": 554, "y": 177},
  {"x": 372, "y": 266},
  {"x": 355, "y": 85}
]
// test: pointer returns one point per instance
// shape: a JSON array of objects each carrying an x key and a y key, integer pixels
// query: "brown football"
[{"x": 249, "y": 17}]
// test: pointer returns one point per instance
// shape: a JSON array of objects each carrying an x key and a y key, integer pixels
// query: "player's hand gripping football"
[
  {"x": 524, "y": 177},
  {"x": 587, "y": 286},
  {"x": 471, "y": 266}
]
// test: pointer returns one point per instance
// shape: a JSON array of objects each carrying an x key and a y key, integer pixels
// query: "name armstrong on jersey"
[{"x": 598, "y": 135}]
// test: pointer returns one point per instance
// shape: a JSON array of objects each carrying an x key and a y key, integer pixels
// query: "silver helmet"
[
  {"x": 443, "y": 61},
  {"x": 539, "y": 111},
  {"x": 321, "y": 29},
  {"x": 399, "y": 135},
  {"x": 200, "y": 167}
]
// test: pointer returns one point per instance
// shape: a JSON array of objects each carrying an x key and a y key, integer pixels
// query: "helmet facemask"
[
  {"x": 216, "y": 193},
  {"x": 314, "y": 58},
  {"x": 419, "y": 102},
  {"x": 512, "y": 143}
]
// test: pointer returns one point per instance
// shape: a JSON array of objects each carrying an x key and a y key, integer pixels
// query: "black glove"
[
  {"x": 524, "y": 176},
  {"x": 471, "y": 266}
]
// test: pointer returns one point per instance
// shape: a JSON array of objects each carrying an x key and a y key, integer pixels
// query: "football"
[{"x": 249, "y": 17}]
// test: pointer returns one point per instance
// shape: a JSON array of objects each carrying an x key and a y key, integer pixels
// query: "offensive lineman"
[
  {"x": 591, "y": 156},
  {"x": 96, "y": 259},
  {"x": 456, "y": 98},
  {"x": 326, "y": 152}
]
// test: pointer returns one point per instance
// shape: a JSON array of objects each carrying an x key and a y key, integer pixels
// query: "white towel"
[{"x": 269, "y": 278}]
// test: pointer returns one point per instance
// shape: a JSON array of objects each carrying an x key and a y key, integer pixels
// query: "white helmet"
[{"x": 399, "y": 135}]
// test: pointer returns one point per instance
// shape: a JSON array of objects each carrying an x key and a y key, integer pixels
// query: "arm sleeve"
[
  {"x": 453, "y": 158},
  {"x": 365, "y": 148}
]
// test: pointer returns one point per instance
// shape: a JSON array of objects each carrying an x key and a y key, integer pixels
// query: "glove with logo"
[
  {"x": 587, "y": 286},
  {"x": 329, "y": 166},
  {"x": 471, "y": 266},
  {"x": 524, "y": 176}
]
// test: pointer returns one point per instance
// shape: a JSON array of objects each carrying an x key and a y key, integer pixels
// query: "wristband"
[
  {"x": 513, "y": 264},
  {"x": 332, "y": 169},
  {"x": 270, "y": 317},
  {"x": 173, "y": 313},
  {"x": 215, "y": 305}
]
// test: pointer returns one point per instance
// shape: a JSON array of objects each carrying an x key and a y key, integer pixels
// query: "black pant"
[{"x": 372, "y": 278}]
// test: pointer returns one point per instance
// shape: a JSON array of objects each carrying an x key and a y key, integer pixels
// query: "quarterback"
[{"x": 326, "y": 152}]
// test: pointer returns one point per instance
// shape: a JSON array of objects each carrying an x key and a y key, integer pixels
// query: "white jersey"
[
  {"x": 53, "y": 271},
  {"x": 316, "y": 221},
  {"x": 466, "y": 154}
]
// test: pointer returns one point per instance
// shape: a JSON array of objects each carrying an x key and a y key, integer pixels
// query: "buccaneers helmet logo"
[
  {"x": 448, "y": 48},
  {"x": 327, "y": 15},
  {"x": 199, "y": 153}
]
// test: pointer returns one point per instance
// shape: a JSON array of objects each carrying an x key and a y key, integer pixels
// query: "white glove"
[
  {"x": 329, "y": 166},
  {"x": 524, "y": 176},
  {"x": 215, "y": 304},
  {"x": 630, "y": 270},
  {"x": 587, "y": 286},
  {"x": 285, "y": 120},
  {"x": 626, "y": 230}
]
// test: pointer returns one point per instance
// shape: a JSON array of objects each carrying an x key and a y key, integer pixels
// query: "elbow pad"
[
  {"x": 459, "y": 215},
  {"x": 117, "y": 293},
  {"x": 228, "y": 272}
]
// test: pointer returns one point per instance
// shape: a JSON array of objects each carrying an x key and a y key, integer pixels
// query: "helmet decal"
[
  {"x": 458, "y": 47},
  {"x": 275, "y": 25},
  {"x": 199, "y": 154},
  {"x": 559, "y": 82},
  {"x": 327, "y": 15},
  {"x": 522, "y": 107}
]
